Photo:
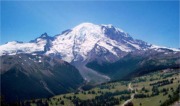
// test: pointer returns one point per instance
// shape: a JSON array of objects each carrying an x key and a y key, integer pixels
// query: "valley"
[
  {"x": 159, "y": 88},
  {"x": 91, "y": 76}
]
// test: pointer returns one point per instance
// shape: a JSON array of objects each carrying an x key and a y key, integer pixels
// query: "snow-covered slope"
[
  {"x": 34, "y": 46},
  {"x": 160, "y": 48},
  {"x": 14, "y": 47}
]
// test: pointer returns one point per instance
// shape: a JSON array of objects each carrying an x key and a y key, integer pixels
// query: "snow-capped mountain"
[
  {"x": 86, "y": 41},
  {"x": 83, "y": 44}
]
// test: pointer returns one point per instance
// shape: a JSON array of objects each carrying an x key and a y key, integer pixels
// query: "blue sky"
[{"x": 152, "y": 21}]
